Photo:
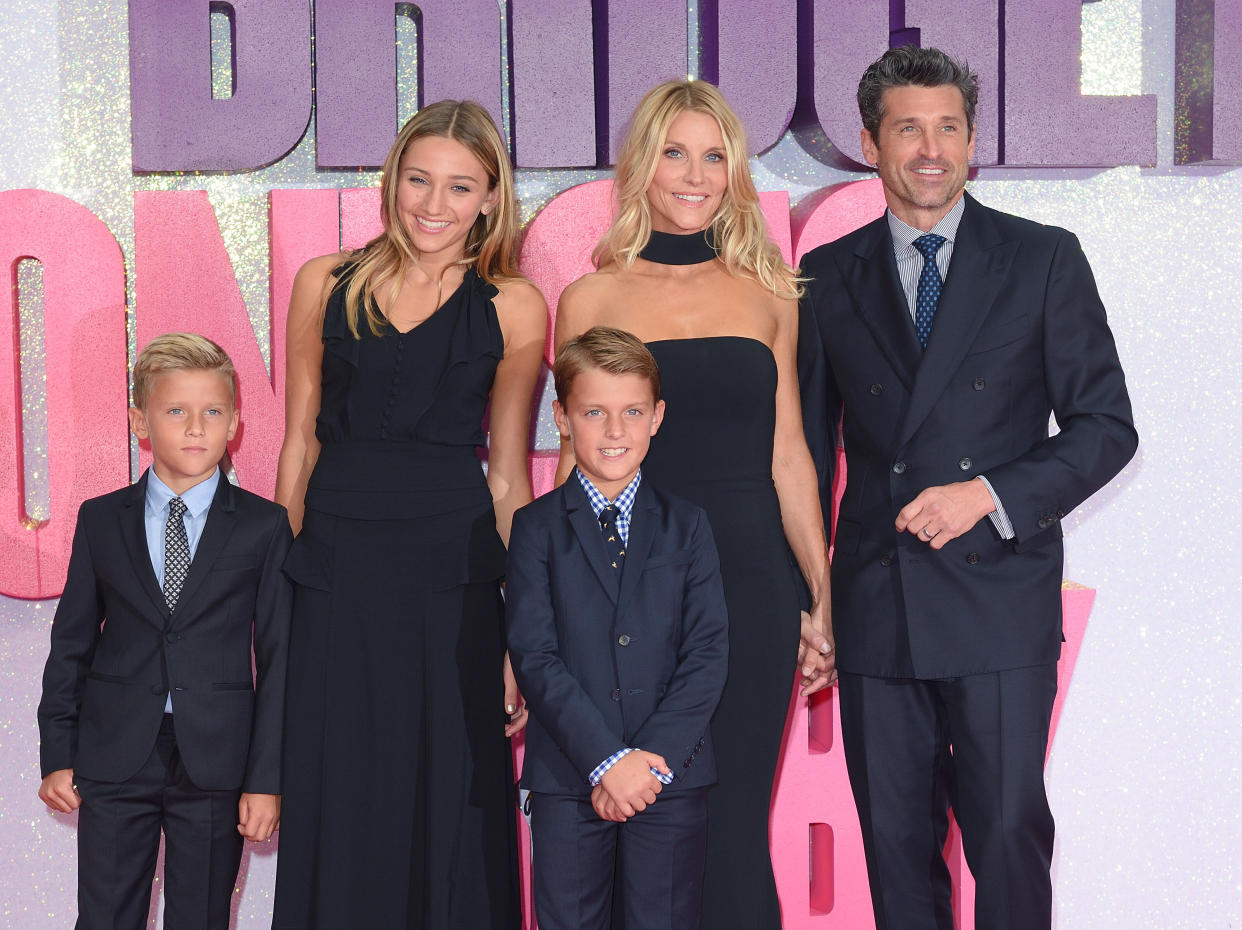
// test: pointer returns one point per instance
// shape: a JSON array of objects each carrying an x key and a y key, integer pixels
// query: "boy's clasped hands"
[{"x": 629, "y": 786}]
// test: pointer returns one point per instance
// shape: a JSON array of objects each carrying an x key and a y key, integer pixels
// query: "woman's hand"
[
  {"x": 515, "y": 707},
  {"x": 817, "y": 655}
]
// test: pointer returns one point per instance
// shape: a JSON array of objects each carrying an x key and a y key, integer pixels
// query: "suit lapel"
[
  {"x": 221, "y": 518},
  {"x": 586, "y": 528},
  {"x": 880, "y": 301},
  {"x": 980, "y": 266},
  {"x": 642, "y": 531},
  {"x": 134, "y": 532}
]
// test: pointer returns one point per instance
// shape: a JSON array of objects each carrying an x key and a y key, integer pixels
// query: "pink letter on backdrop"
[
  {"x": 835, "y": 211},
  {"x": 84, "y": 345},
  {"x": 553, "y": 87},
  {"x": 1048, "y": 121},
  {"x": 756, "y": 50},
  {"x": 177, "y": 126},
  {"x": 185, "y": 281},
  {"x": 356, "y": 70}
]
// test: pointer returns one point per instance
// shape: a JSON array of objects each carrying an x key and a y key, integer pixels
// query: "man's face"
[{"x": 922, "y": 151}]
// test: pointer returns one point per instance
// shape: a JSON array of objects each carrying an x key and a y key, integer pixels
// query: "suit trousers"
[
  {"x": 656, "y": 856},
  {"x": 119, "y": 838},
  {"x": 978, "y": 742}
]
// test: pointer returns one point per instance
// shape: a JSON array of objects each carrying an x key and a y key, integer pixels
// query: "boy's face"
[
  {"x": 609, "y": 419},
  {"x": 189, "y": 419}
]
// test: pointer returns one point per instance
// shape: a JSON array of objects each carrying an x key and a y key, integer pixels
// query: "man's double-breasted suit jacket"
[
  {"x": 1020, "y": 333},
  {"x": 117, "y": 651},
  {"x": 605, "y": 662}
]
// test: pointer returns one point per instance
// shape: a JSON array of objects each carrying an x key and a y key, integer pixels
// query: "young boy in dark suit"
[
  {"x": 618, "y": 635},
  {"x": 150, "y": 717}
]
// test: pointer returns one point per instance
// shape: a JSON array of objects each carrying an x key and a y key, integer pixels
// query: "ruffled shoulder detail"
[
  {"x": 337, "y": 338},
  {"x": 476, "y": 331}
]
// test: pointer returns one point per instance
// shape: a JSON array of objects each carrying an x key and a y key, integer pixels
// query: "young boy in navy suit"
[
  {"x": 618, "y": 635},
  {"x": 150, "y": 717}
]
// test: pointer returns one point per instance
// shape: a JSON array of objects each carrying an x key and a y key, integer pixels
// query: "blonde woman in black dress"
[
  {"x": 688, "y": 267},
  {"x": 398, "y": 795}
]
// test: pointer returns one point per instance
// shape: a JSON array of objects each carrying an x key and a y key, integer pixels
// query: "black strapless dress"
[
  {"x": 398, "y": 806},
  {"x": 715, "y": 449}
]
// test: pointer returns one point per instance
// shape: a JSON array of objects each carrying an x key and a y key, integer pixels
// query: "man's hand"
[
  {"x": 58, "y": 791},
  {"x": 604, "y": 805},
  {"x": 817, "y": 655},
  {"x": 943, "y": 513},
  {"x": 515, "y": 707},
  {"x": 258, "y": 815},
  {"x": 630, "y": 783}
]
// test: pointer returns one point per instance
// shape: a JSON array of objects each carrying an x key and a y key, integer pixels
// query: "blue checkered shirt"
[
  {"x": 625, "y": 508},
  {"x": 624, "y": 502}
]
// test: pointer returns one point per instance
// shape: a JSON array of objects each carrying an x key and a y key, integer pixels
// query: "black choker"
[{"x": 670, "y": 249}]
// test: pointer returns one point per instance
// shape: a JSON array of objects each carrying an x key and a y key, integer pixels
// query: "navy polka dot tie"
[
  {"x": 927, "y": 297},
  {"x": 176, "y": 552}
]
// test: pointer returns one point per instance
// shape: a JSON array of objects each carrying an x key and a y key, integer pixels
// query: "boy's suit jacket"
[
  {"x": 104, "y": 689},
  {"x": 1020, "y": 333},
  {"x": 606, "y": 663}
]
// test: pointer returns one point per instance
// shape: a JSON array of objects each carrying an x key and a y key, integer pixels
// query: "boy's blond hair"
[
  {"x": 612, "y": 350},
  {"x": 179, "y": 352}
]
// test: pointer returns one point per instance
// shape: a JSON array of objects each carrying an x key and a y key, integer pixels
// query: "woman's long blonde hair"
[
  {"x": 492, "y": 243},
  {"x": 740, "y": 235}
]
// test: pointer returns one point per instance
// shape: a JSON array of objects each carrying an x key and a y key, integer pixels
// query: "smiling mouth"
[
  {"x": 692, "y": 199},
  {"x": 930, "y": 171},
  {"x": 433, "y": 225},
  {"x": 614, "y": 453}
]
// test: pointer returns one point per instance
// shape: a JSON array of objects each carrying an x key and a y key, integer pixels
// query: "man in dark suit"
[
  {"x": 150, "y": 716},
  {"x": 948, "y": 332},
  {"x": 617, "y": 630}
]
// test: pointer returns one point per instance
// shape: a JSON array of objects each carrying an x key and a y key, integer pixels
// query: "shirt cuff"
[
  {"x": 597, "y": 773},
  {"x": 999, "y": 518}
]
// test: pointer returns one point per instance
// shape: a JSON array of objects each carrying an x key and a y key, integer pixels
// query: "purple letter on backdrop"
[
  {"x": 756, "y": 69},
  {"x": 848, "y": 36},
  {"x": 645, "y": 44},
  {"x": 553, "y": 83},
  {"x": 175, "y": 123},
  {"x": 970, "y": 30},
  {"x": 1047, "y": 119},
  {"x": 1209, "y": 77},
  {"x": 356, "y": 70}
]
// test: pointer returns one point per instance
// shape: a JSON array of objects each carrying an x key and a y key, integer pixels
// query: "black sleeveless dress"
[
  {"x": 715, "y": 449},
  {"x": 398, "y": 801}
]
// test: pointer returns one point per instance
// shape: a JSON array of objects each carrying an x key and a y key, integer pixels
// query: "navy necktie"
[
  {"x": 176, "y": 552},
  {"x": 612, "y": 536},
  {"x": 927, "y": 297}
]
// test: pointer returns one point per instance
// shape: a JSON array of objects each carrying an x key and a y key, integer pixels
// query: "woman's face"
[
  {"x": 691, "y": 175},
  {"x": 441, "y": 190}
]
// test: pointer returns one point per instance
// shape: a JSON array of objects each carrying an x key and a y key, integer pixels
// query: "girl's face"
[
  {"x": 691, "y": 176},
  {"x": 441, "y": 190}
]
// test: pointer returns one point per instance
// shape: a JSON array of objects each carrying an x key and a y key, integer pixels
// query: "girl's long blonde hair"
[
  {"x": 740, "y": 236},
  {"x": 492, "y": 243}
]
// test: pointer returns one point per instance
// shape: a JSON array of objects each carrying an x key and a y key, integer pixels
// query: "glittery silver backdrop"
[{"x": 1146, "y": 771}]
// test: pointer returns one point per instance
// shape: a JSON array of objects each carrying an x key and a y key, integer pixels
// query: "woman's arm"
[
  {"x": 303, "y": 372},
  {"x": 797, "y": 488},
  {"x": 523, "y": 316}
]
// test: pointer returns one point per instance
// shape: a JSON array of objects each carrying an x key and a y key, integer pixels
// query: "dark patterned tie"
[
  {"x": 612, "y": 536},
  {"x": 176, "y": 552},
  {"x": 928, "y": 295}
]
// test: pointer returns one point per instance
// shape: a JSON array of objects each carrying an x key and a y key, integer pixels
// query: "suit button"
[
  {"x": 972, "y": 558},
  {"x": 1043, "y": 523},
  {"x": 173, "y": 637},
  {"x": 899, "y": 468},
  {"x": 623, "y": 640},
  {"x": 616, "y": 695},
  {"x": 158, "y": 689},
  {"x": 877, "y": 390},
  {"x": 886, "y": 561},
  {"x": 964, "y": 463},
  {"x": 1060, "y": 514},
  {"x": 978, "y": 384}
]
